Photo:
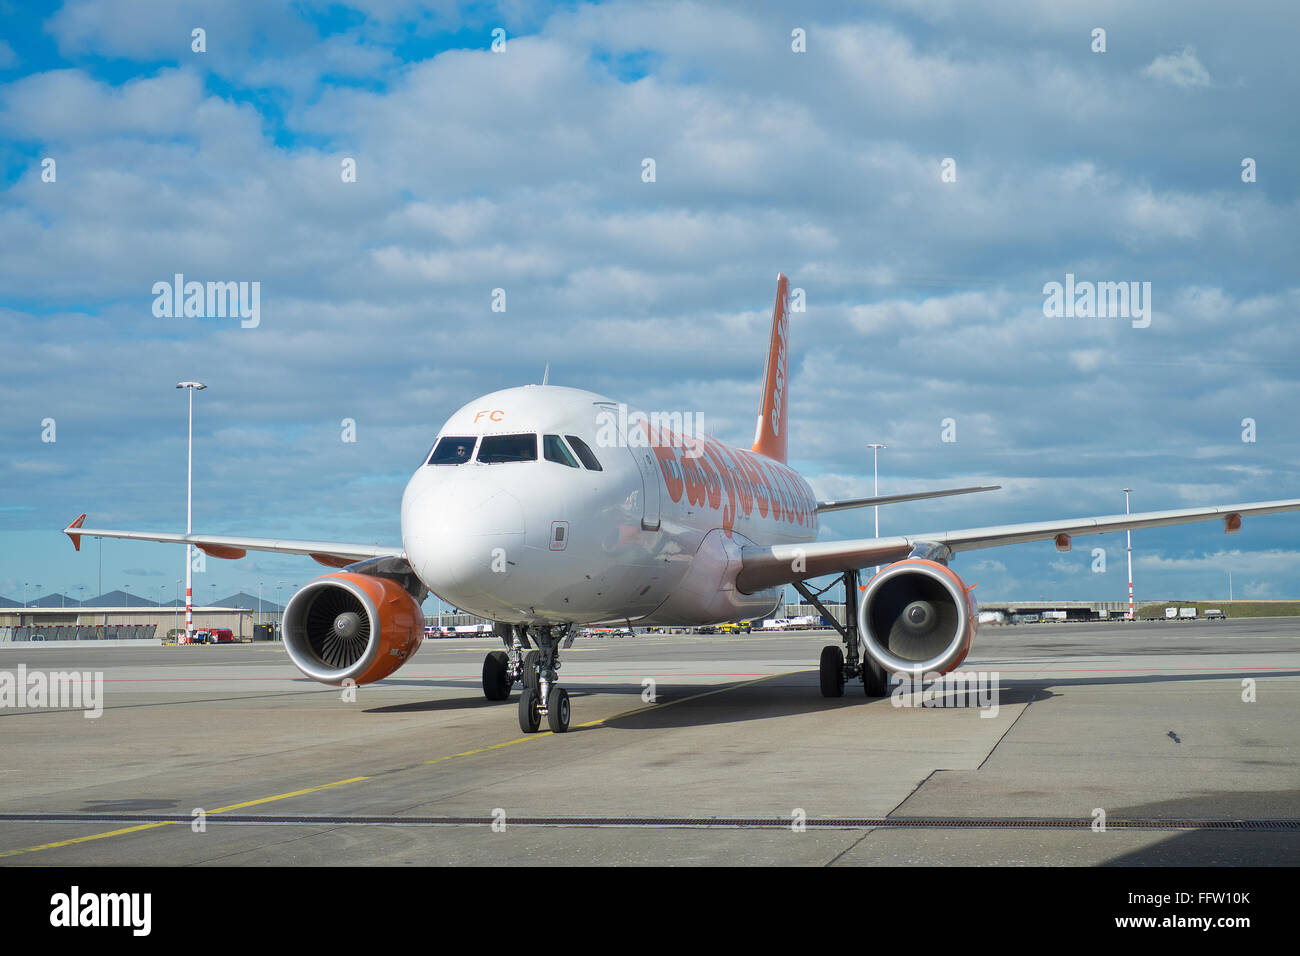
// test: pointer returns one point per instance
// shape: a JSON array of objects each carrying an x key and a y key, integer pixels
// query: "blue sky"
[{"x": 521, "y": 170}]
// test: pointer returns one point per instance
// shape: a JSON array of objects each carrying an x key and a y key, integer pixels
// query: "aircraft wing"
[
  {"x": 333, "y": 554},
  {"x": 767, "y": 566},
  {"x": 824, "y": 506}
]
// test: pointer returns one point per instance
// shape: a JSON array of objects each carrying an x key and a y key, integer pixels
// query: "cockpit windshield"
[
  {"x": 584, "y": 452},
  {"x": 453, "y": 450},
  {"x": 553, "y": 450},
  {"x": 497, "y": 449}
]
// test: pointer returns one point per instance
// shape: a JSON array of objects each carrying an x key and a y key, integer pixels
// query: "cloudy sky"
[{"x": 921, "y": 170}]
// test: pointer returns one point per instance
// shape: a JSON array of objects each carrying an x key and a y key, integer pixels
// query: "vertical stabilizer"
[{"x": 773, "y": 413}]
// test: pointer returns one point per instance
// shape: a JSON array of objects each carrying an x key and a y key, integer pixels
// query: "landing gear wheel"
[
  {"x": 875, "y": 679},
  {"x": 496, "y": 676},
  {"x": 529, "y": 717},
  {"x": 532, "y": 661},
  {"x": 832, "y": 671},
  {"x": 557, "y": 710}
]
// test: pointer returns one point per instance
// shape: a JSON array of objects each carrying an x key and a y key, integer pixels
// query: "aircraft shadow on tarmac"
[
  {"x": 761, "y": 704},
  {"x": 796, "y": 695},
  {"x": 1210, "y": 847}
]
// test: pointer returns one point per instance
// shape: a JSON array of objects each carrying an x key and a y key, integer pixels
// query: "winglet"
[
  {"x": 76, "y": 538},
  {"x": 773, "y": 414}
]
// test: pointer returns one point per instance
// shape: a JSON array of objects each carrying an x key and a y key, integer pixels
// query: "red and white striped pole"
[
  {"x": 192, "y": 387},
  {"x": 1128, "y": 535}
]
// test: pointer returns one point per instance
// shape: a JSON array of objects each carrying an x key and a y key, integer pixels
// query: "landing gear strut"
[
  {"x": 542, "y": 697},
  {"x": 837, "y": 666}
]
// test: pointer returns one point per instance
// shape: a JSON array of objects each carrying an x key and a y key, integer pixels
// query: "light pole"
[
  {"x": 176, "y": 625},
  {"x": 259, "y": 603},
  {"x": 1128, "y": 536},
  {"x": 190, "y": 387},
  {"x": 24, "y": 595},
  {"x": 875, "y": 471},
  {"x": 279, "y": 609}
]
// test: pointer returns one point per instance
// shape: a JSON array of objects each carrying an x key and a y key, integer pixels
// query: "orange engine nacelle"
[
  {"x": 350, "y": 626},
  {"x": 916, "y": 617}
]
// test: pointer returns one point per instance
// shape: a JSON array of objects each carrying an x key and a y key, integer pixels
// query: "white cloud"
[{"x": 1181, "y": 69}]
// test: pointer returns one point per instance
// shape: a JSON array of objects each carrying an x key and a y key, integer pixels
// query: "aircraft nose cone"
[{"x": 462, "y": 537}]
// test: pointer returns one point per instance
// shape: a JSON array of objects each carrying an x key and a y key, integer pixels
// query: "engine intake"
[
  {"x": 916, "y": 617},
  {"x": 352, "y": 626}
]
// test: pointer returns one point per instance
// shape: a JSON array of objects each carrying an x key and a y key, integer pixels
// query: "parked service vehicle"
[
  {"x": 1187, "y": 614},
  {"x": 1171, "y": 613},
  {"x": 1214, "y": 614}
]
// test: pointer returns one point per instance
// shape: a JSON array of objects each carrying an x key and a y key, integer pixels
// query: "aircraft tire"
[
  {"x": 557, "y": 710},
  {"x": 529, "y": 719},
  {"x": 832, "y": 671},
  {"x": 496, "y": 682}
]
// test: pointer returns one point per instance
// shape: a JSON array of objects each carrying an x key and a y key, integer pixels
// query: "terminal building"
[
  {"x": 120, "y": 623},
  {"x": 118, "y": 615}
]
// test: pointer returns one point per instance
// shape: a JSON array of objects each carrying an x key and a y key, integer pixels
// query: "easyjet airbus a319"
[{"x": 544, "y": 509}]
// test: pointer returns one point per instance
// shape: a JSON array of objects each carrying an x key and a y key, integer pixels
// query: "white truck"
[
  {"x": 1171, "y": 613},
  {"x": 1187, "y": 614}
]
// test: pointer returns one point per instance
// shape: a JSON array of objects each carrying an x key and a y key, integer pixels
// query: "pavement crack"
[{"x": 264, "y": 846}]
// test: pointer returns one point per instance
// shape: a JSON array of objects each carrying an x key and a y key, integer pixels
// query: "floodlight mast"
[{"x": 191, "y": 387}]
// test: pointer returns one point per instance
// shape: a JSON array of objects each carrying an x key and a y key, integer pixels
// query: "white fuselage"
[{"x": 654, "y": 536}]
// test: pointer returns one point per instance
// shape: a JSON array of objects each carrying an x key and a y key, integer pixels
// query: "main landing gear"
[
  {"x": 536, "y": 670},
  {"x": 839, "y": 666}
]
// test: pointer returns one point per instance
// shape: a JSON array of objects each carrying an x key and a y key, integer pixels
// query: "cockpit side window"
[
  {"x": 453, "y": 450},
  {"x": 498, "y": 449},
  {"x": 584, "y": 452},
  {"x": 553, "y": 450}
]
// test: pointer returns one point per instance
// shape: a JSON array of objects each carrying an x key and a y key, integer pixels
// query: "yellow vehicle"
[{"x": 732, "y": 627}]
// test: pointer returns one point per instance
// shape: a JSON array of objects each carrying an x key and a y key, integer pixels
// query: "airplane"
[{"x": 545, "y": 509}]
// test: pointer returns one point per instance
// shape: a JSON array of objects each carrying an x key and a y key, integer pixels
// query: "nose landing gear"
[{"x": 544, "y": 698}]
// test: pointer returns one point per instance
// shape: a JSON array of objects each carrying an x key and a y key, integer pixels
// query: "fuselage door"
[{"x": 646, "y": 464}]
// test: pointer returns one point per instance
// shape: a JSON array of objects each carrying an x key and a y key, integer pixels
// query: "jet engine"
[
  {"x": 354, "y": 626},
  {"x": 916, "y": 617}
]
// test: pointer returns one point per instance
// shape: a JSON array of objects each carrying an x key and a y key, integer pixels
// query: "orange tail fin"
[{"x": 769, "y": 438}]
